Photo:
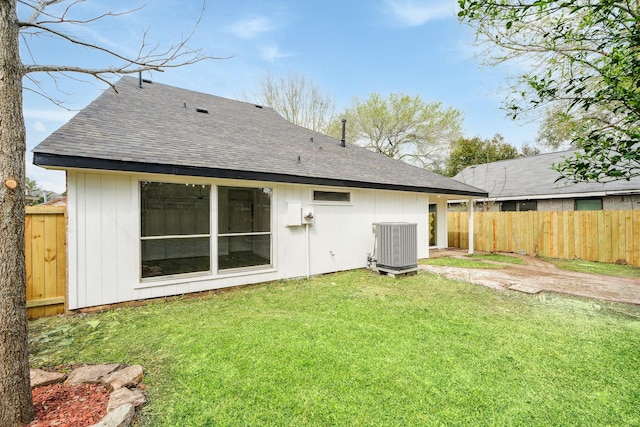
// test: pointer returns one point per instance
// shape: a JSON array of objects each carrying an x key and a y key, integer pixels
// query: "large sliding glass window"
[
  {"x": 175, "y": 230},
  {"x": 244, "y": 227}
]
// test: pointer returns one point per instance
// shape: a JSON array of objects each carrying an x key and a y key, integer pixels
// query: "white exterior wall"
[
  {"x": 442, "y": 223},
  {"x": 104, "y": 236}
]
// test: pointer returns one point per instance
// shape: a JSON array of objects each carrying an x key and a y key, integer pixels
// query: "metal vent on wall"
[{"x": 396, "y": 246}]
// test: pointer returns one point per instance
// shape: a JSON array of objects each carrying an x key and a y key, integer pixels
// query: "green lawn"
[
  {"x": 499, "y": 258},
  {"x": 596, "y": 267},
  {"x": 360, "y": 349},
  {"x": 459, "y": 262}
]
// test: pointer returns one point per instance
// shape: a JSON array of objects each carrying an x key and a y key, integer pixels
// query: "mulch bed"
[{"x": 63, "y": 405}]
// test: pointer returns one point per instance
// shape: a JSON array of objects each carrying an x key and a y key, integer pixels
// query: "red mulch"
[{"x": 62, "y": 405}]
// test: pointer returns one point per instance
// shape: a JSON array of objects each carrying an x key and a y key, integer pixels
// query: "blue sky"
[{"x": 348, "y": 48}]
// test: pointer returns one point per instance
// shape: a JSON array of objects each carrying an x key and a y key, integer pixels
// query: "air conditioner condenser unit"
[{"x": 396, "y": 248}]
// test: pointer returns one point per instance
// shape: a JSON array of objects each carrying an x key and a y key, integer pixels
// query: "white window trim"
[
  {"x": 331, "y": 202},
  {"x": 230, "y": 272},
  {"x": 170, "y": 278}
]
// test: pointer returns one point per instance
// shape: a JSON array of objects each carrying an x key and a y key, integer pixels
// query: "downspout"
[
  {"x": 429, "y": 226},
  {"x": 471, "y": 226},
  {"x": 306, "y": 231}
]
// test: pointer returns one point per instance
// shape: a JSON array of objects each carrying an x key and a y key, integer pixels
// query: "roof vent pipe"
[
  {"x": 344, "y": 131},
  {"x": 140, "y": 79}
]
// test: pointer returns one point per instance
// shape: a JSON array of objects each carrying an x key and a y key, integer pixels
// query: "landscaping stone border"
[{"x": 124, "y": 383}]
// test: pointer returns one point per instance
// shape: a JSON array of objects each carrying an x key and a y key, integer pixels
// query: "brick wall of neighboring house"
[
  {"x": 556, "y": 205},
  {"x": 609, "y": 203},
  {"x": 621, "y": 203}
]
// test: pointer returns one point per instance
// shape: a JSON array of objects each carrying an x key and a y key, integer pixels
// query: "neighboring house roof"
[
  {"x": 534, "y": 178},
  {"x": 58, "y": 201},
  {"x": 157, "y": 129}
]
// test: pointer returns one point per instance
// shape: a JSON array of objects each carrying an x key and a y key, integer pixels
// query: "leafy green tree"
[
  {"x": 583, "y": 64},
  {"x": 402, "y": 127},
  {"x": 529, "y": 150},
  {"x": 475, "y": 151},
  {"x": 557, "y": 129},
  {"x": 562, "y": 131}
]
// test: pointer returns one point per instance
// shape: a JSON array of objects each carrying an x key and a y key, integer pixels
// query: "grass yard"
[
  {"x": 359, "y": 349},
  {"x": 498, "y": 258},
  {"x": 591, "y": 267},
  {"x": 459, "y": 262}
]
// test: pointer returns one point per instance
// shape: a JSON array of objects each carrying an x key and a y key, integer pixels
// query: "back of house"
[{"x": 171, "y": 191}]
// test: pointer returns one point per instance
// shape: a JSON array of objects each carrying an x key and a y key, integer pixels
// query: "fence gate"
[{"x": 46, "y": 260}]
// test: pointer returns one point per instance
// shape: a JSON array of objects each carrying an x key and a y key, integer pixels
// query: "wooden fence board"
[
  {"x": 602, "y": 254},
  {"x": 592, "y": 243},
  {"x": 37, "y": 263},
  {"x": 636, "y": 240},
  {"x": 45, "y": 260},
  {"x": 614, "y": 237},
  {"x": 605, "y": 236},
  {"x": 61, "y": 259},
  {"x": 558, "y": 242},
  {"x": 628, "y": 237},
  {"x": 621, "y": 236}
]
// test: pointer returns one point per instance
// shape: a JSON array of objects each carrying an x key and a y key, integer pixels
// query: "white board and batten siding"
[{"x": 104, "y": 236}]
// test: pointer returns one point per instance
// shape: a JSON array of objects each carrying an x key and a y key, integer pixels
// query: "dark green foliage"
[
  {"x": 584, "y": 62},
  {"x": 475, "y": 151},
  {"x": 402, "y": 127}
]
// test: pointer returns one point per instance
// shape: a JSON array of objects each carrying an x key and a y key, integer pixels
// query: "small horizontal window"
[
  {"x": 531, "y": 205},
  {"x": 588, "y": 204},
  {"x": 331, "y": 196},
  {"x": 519, "y": 206}
]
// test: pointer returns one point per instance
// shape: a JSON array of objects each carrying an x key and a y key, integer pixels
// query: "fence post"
[
  {"x": 45, "y": 258},
  {"x": 471, "y": 230}
]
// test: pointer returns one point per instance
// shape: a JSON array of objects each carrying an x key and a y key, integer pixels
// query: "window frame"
[
  {"x": 199, "y": 273},
  {"x": 269, "y": 233},
  {"x": 517, "y": 204},
  {"x": 331, "y": 202},
  {"x": 588, "y": 199}
]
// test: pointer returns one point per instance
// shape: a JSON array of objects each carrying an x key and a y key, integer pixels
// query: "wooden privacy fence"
[
  {"x": 605, "y": 236},
  {"x": 46, "y": 260}
]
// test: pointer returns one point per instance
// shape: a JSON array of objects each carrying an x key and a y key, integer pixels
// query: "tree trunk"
[{"x": 16, "y": 406}]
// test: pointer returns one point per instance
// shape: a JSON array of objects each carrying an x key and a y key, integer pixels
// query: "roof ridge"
[
  {"x": 132, "y": 79},
  {"x": 515, "y": 159}
]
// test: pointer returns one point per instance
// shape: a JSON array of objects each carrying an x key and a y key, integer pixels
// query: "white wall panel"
[
  {"x": 108, "y": 225},
  {"x": 72, "y": 240},
  {"x": 104, "y": 240},
  {"x": 126, "y": 236}
]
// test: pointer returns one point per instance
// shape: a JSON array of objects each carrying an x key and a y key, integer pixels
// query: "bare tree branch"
[
  {"x": 39, "y": 8},
  {"x": 148, "y": 58}
]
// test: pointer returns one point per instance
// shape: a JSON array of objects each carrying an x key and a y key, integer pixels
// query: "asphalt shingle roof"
[
  {"x": 157, "y": 128},
  {"x": 533, "y": 177}
]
